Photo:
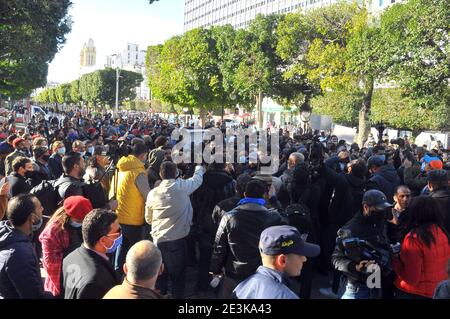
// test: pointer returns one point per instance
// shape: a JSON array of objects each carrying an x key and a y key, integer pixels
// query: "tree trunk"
[
  {"x": 259, "y": 113},
  {"x": 203, "y": 115},
  {"x": 364, "y": 124}
]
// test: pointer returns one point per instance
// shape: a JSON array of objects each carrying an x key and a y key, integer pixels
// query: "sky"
[{"x": 112, "y": 24}]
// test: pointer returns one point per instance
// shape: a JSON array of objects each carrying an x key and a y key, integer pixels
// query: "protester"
[
  {"x": 87, "y": 272},
  {"x": 169, "y": 212},
  {"x": 438, "y": 184},
  {"x": 424, "y": 253},
  {"x": 60, "y": 237},
  {"x": 20, "y": 277},
  {"x": 142, "y": 267},
  {"x": 18, "y": 184},
  {"x": 20, "y": 148},
  {"x": 130, "y": 189},
  {"x": 55, "y": 160},
  {"x": 236, "y": 244}
]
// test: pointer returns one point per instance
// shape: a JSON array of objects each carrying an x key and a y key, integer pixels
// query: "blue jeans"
[
  {"x": 174, "y": 255},
  {"x": 131, "y": 235},
  {"x": 360, "y": 291}
]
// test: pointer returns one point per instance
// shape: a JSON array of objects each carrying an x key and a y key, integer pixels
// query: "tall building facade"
[
  {"x": 239, "y": 13},
  {"x": 88, "y": 55},
  {"x": 132, "y": 59}
]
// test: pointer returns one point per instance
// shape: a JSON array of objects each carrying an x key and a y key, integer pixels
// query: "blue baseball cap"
[{"x": 285, "y": 240}]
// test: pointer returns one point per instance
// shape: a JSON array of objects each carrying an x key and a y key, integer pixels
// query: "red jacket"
[
  {"x": 54, "y": 242},
  {"x": 420, "y": 268}
]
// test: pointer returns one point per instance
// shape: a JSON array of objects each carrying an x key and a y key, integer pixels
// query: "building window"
[{"x": 381, "y": 3}]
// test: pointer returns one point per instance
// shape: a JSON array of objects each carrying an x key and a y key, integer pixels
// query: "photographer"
[{"x": 367, "y": 226}]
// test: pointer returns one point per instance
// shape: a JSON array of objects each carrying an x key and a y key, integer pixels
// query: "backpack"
[
  {"x": 95, "y": 193},
  {"x": 47, "y": 193},
  {"x": 298, "y": 214}
]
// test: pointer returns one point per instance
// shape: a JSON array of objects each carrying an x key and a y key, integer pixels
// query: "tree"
[
  {"x": 31, "y": 32},
  {"x": 99, "y": 87},
  {"x": 336, "y": 49},
  {"x": 257, "y": 67},
  {"x": 75, "y": 95},
  {"x": 417, "y": 51},
  {"x": 187, "y": 72},
  {"x": 62, "y": 93}
]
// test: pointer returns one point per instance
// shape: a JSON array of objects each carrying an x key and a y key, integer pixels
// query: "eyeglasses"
[{"x": 115, "y": 234}]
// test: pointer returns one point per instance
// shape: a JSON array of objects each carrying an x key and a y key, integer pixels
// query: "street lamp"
[{"x": 116, "y": 111}]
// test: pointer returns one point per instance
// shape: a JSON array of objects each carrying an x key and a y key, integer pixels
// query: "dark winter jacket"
[
  {"x": 442, "y": 198},
  {"x": 217, "y": 186},
  {"x": 55, "y": 165},
  {"x": 362, "y": 229},
  {"x": 87, "y": 275},
  {"x": 385, "y": 180},
  {"x": 20, "y": 276},
  {"x": 237, "y": 240},
  {"x": 18, "y": 185},
  {"x": 223, "y": 207},
  {"x": 347, "y": 198}
]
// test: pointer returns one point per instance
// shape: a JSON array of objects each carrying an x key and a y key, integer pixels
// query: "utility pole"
[{"x": 116, "y": 111}]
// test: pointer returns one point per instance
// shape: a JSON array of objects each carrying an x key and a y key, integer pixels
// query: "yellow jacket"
[{"x": 131, "y": 204}]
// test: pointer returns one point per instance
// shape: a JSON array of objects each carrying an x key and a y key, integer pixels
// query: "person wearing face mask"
[
  {"x": 367, "y": 224},
  {"x": 60, "y": 237},
  {"x": 55, "y": 160},
  {"x": 41, "y": 170},
  {"x": 87, "y": 272},
  {"x": 18, "y": 183},
  {"x": 20, "y": 149},
  {"x": 20, "y": 276},
  {"x": 79, "y": 147}
]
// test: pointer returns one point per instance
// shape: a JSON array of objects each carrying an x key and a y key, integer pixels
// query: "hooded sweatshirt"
[{"x": 20, "y": 277}]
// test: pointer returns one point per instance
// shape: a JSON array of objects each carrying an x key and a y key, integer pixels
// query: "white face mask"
[
  {"x": 82, "y": 153},
  {"x": 75, "y": 224}
]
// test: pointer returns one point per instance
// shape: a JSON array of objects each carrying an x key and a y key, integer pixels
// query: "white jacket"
[{"x": 168, "y": 207}]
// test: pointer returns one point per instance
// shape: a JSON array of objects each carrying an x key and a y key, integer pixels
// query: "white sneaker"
[{"x": 328, "y": 292}]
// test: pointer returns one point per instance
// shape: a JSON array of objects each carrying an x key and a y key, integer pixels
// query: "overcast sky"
[{"x": 112, "y": 24}]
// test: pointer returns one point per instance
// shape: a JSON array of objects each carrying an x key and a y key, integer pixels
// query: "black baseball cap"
[
  {"x": 377, "y": 199},
  {"x": 285, "y": 239}
]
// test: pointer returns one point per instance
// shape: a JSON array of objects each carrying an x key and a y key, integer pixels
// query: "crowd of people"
[{"x": 100, "y": 206}]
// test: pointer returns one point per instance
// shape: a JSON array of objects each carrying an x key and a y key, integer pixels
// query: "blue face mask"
[
  {"x": 61, "y": 151},
  {"x": 91, "y": 150},
  {"x": 115, "y": 245},
  {"x": 82, "y": 153}
]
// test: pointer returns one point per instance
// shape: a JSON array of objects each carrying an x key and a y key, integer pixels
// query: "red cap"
[
  {"x": 92, "y": 130},
  {"x": 17, "y": 141},
  {"x": 77, "y": 207}
]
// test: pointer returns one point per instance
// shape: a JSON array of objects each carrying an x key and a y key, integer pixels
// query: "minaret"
[{"x": 88, "y": 55}]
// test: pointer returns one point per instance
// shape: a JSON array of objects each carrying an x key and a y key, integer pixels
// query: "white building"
[
  {"x": 239, "y": 13},
  {"x": 132, "y": 59}
]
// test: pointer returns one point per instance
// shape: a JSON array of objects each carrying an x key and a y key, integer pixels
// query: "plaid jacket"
[{"x": 54, "y": 242}]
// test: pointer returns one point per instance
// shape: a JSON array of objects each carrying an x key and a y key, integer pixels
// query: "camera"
[
  {"x": 398, "y": 141},
  {"x": 358, "y": 249}
]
